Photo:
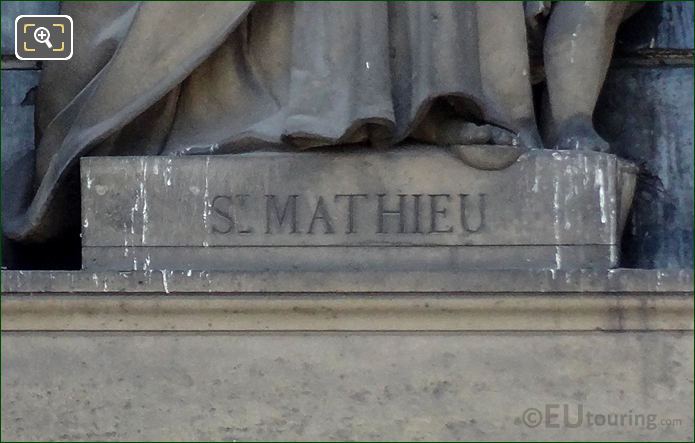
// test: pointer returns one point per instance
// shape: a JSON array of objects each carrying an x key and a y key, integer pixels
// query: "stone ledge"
[
  {"x": 514, "y": 281},
  {"x": 619, "y": 300},
  {"x": 411, "y": 313}
]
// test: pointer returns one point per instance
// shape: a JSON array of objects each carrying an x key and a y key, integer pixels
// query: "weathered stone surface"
[
  {"x": 411, "y": 209},
  {"x": 647, "y": 115},
  {"x": 659, "y": 25},
  {"x": 359, "y": 312},
  {"x": 510, "y": 281},
  {"x": 512, "y": 300},
  {"x": 291, "y": 355},
  {"x": 17, "y": 113},
  {"x": 646, "y": 112},
  {"x": 360, "y": 386},
  {"x": 17, "y": 139}
]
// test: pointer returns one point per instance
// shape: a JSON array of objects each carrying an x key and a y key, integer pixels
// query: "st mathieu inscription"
[{"x": 296, "y": 214}]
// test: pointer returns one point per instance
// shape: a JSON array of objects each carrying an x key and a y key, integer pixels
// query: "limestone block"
[{"x": 416, "y": 208}]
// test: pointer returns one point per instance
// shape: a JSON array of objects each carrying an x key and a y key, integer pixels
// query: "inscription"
[{"x": 295, "y": 214}]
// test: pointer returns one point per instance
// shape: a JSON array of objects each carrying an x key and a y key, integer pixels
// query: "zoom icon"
[{"x": 43, "y": 37}]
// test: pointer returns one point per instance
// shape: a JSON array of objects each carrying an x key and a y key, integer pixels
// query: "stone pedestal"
[{"x": 415, "y": 208}]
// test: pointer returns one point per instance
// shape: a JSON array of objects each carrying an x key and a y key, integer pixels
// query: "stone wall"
[
  {"x": 341, "y": 387},
  {"x": 478, "y": 355}
]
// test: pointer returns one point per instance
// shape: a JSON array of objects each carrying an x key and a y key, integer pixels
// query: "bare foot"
[
  {"x": 579, "y": 134},
  {"x": 500, "y": 136},
  {"x": 460, "y": 132},
  {"x": 486, "y": 147},
  {"x": 529, "y": 137}
]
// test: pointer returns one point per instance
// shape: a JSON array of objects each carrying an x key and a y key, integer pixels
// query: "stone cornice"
[{"x": 523, "y": 300}]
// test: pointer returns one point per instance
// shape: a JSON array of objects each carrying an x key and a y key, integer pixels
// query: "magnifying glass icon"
[{"x": 42, "y": 35}]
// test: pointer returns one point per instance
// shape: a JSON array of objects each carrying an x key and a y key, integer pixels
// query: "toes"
[
  {"x": 499, "y": 136},
  {"x": 530, "y": 138},
  {"x": 471, "y": 134},
  {"x": 455, "y": 132}
]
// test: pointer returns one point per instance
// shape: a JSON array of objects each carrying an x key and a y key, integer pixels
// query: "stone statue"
[{"x": 173, "y": 78}]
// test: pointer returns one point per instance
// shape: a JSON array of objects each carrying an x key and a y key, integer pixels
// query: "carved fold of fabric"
[
  {"x": 212, "y": 77},
  {"x": 301, "y": 73},
  {"x": 156, "y": 54},
  {"x": 308, "y": 74}
]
